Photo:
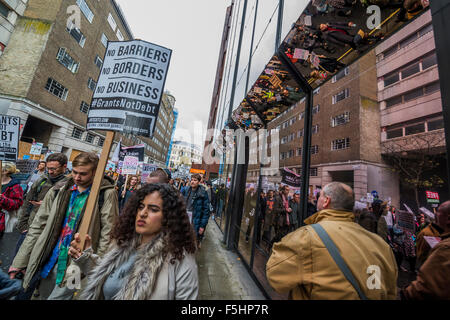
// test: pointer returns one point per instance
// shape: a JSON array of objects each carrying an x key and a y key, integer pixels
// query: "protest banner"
[
  {"x": 432, "y": 197},
  {"x": 27, "y": 166}
]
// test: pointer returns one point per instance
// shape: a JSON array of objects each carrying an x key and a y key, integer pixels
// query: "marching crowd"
[
  {"x": 143, "y": 237},
  {"x": 140, "y": 244}
]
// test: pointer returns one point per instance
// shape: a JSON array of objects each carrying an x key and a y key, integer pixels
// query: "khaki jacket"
[
  {"x": 37, "y": 192},
  {"x": 44, "y": 232},
  {"x": 301, "y": 264}
]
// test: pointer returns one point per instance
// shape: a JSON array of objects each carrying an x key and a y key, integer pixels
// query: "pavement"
[{"x": 222, "y": 274}]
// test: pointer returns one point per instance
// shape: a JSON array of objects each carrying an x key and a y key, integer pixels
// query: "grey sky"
[{"x": 193, "y": 30}]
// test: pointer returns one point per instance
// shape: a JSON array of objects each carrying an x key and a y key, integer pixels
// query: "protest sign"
[
  {"x": 290, "y": 178},
  {"x": 301, "y": 54},
  {"x": 9, "y": 137},
  {"x": 406, "y": 221},
  {"x": 427, "y": 212},
  {"x": 130, "y": 165},
  {"x": 432, "y": 197},
  {"x": 133, "y": 151},
  {"x": 130, "y": 88},
  {"x": 36, "y": 148},
  {"x": 27, "y": 166}
]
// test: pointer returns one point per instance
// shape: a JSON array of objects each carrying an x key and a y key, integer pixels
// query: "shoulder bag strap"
[{"x": 334, "y": 252}]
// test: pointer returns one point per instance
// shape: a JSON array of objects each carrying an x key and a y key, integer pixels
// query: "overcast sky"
[{"x": 193, "y": 30}]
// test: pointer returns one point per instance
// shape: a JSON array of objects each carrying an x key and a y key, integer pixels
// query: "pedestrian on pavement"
[
  {"x": 152, "y": 256},
  {"x": 40, "y": 170},
  {"x": 11, "y": 198},
  {"x": 268, "y": 218},
  {"x": 433, "y": 281},
  {"x": 44, "y": 253},
  {"x": 281, "y": 214},
  {"x": 197, "y": 206},
  {"x": 296, "y": 214},
  {"x": 56, "y": 167},
  {"x": 302, "y": 264},
  {"x": 128, "y": 190},
  {"x": 221, "y": 193}
]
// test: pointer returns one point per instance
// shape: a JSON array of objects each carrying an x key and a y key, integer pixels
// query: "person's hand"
[
  {"x": 75, "y": 250},
  {"x": 201, "y": 230},
  {"x": 16, "y": 273},
  {"x": 36, "y": 203},
  {"x": 289, "y": 210}
]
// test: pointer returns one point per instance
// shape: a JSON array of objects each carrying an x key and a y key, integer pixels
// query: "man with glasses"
[{"x": 56, "y": 167}]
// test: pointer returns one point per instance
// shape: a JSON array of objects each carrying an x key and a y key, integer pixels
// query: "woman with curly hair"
[{"x": 152, "y": 252}]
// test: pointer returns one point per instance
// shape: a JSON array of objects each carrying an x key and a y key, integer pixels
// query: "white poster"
[
  {"x": 9, "y": 137},
  {"x": 130, "y": 88},
  {"x": 130, "y": 165},
  {"x": 36, "y": 148}
]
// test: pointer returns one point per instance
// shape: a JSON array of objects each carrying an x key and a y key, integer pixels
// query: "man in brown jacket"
[
  {"x": 43, "y": 254},
  {"x": 433, "y": 280},
  {"x": 301, "y": 264}
]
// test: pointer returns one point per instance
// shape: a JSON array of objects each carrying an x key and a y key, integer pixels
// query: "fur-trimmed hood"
[{"x": 140, "y": 282}]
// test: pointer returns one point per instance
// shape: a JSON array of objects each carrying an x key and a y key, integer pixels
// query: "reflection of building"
[
  {"x": 184, "y": 153},
  {"x": 409, "y": 93},
  {"x": 48, "y": 74},
  {"x": 10, "y": 11},
  {"x": 345, "y": 139},
  {"x": 213, "y": 169}
]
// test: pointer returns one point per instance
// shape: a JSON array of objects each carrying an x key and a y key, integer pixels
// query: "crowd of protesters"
[
  {"x": 140, "y": 243},
  {"x": 143, "y": 237}
]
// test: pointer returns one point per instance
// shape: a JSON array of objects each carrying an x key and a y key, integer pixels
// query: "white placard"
[
  {"x": 130, "y": 165},
  {"x": 9, "y": 137},
  {"x": 130, "y": 88},
  {"x": 36, "y": 148}
]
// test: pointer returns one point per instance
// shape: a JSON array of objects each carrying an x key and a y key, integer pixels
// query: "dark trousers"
[
  {"x": 19, "y": 242},
  {"x": 27, "y": 294}
]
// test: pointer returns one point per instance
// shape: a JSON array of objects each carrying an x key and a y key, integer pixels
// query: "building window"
[
  {"x": 315, "y": 129},
  {"x": 408, "y": 40},
  {"x": 425, "y": 30},
  {"x": 340, "y": 119},
  {"x": 301, "y": 116},
  {"x": 414, "y": 94},
  {"x": 119, "y": 35},
  {"x": 112, "y": 22},
  {"x": 101, "y": 142},
  {"x": 98, "y": 61},
  {"x": 390, "y": 79},
  {"x": 291, "y": 153},
  {"x": 390, "y": 51},
  {"x": 77, "y": 35},
  {"x": 4, "y": 11},
  {"x": 316, "y": 91},
  {"x": 67, "y": 61},
  {"x": 86, "y": 10},
  {"x": 104, "y": 40},
  {"x": 316, "y": 109},
  {"x": 90, "y": 138},
  {"x": 341, "y": 74},
  {"x": 313, "y": 172},
  {"x": 91, "y": 84},
  {"x": 341, "y": 96},
  {"x": 77, "y": 133},
  {"x": 416, "y": 128},
  {"x": 300, "y": 133},
  {"x": 84, "y": 107},
  {"x": 394, "y": 133},
  {"x": 393, "y": 101},
  {"x": 433, "y": 87},
  {"x": 314, "y": 149},
  {"x": 299, "y": 152},
  {"x": 410, "y": 70},
  {"x": 340, "y": 144},
  {"x": 435, "y": 124},
  {"x": 54, "y": 87},
  {"x": 429, "y": 61},
  {"x": 292, "y": 121}
]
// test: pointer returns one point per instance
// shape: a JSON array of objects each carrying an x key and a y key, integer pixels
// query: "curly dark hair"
[{"x": 175, "y": 220}]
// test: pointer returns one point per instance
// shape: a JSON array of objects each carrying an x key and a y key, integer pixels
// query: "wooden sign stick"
[{"x": 93, "y": 196}]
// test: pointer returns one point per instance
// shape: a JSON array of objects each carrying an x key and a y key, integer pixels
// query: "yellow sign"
[{"x": 197, "y": 171}]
